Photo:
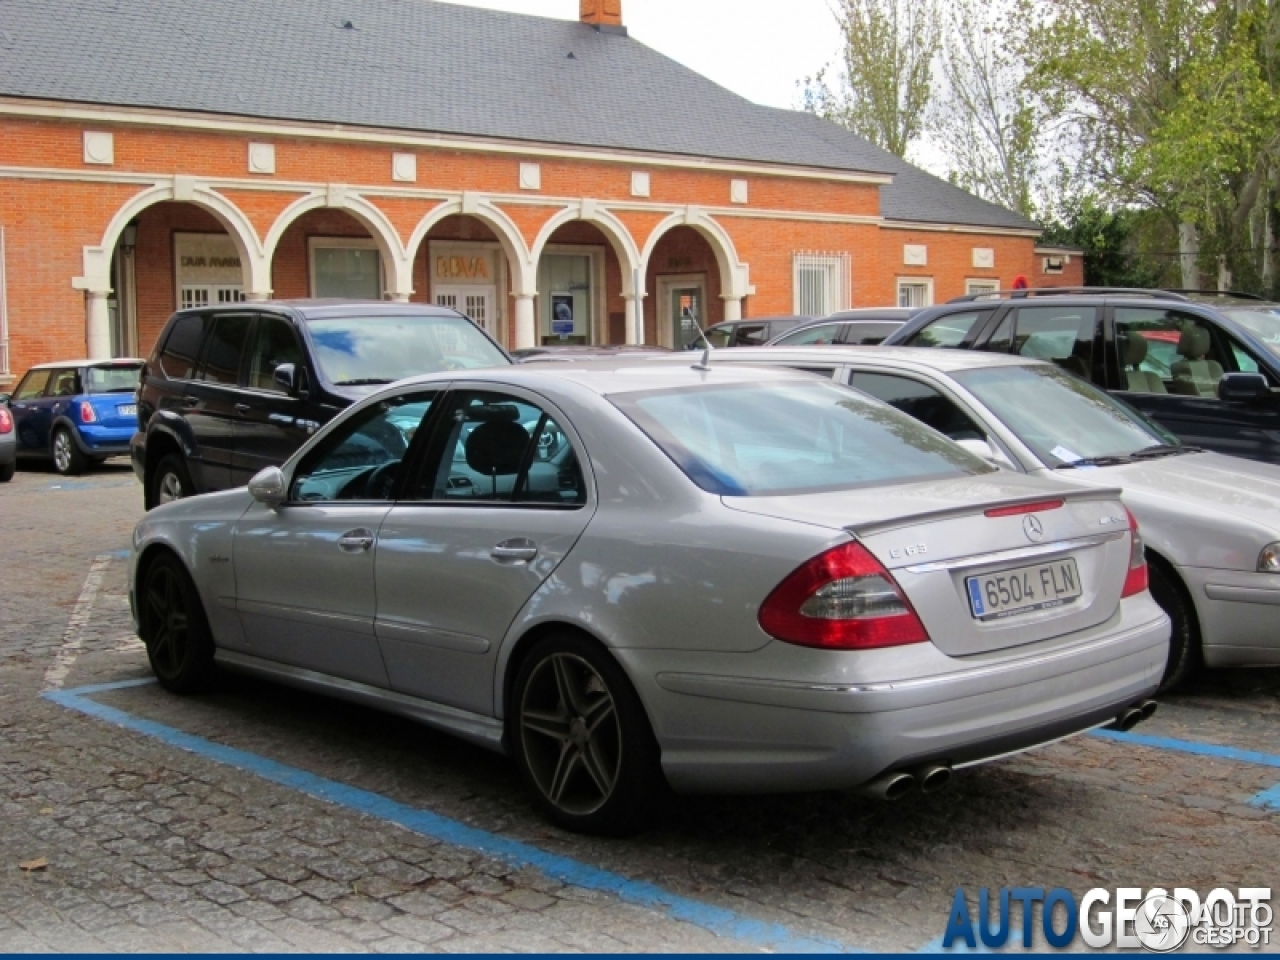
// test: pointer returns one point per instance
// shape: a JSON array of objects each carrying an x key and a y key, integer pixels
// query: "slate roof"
[{"x": 425, "y": 66}]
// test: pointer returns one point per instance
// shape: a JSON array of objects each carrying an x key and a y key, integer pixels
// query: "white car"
[{"x": 1211, "y": 522}]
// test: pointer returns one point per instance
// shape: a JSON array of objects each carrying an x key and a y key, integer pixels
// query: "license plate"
[
  {"x": 127, "y": 409},
  {"x": 1005, "y": 593}
]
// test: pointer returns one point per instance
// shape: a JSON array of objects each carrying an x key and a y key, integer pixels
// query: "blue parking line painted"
[
  {"x": 718, "y": 920},
  {"x": 1266, "y": 800}
]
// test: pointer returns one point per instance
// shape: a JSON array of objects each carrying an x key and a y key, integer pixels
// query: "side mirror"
[
  {"x": 1242, "y": 387},
  {"x": 983, "y": 449},
  {"x": 267, "y": 487},
  {"x": 286, "y": 375}
]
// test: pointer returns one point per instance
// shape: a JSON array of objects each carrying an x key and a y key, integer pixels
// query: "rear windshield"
[
  {"x": 117, "y": 378},
  {"x": 354, "y": 351},
  {"x": 758, "y": 439}
]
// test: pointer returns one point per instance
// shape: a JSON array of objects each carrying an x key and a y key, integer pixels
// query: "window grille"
[
  {"x": 4, "y": 313},
  {"x": 822, "y": 283},
  {"x": 981, "y": 286},
  {"x": 915, "y": 293},
  {"x": 203, "y": 295}
]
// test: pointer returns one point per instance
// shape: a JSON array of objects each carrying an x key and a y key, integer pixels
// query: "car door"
[
  {"x": 30, "y": 413},
  {"x": 273, "y": 422},
  {"x": 304, "y": 571},
  {"x": 1170, "y": 362},
  {"x": 212, "y": 398},
  {"x": 501, "y": 499}
]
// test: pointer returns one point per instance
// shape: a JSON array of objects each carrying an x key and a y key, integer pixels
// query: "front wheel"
[
  {"x": 67, "y": 458},
  {"x": 1184, "y": 640},
  {"x": 170, "y": 482},
  {"x": 173, "y": 627},
  {"x": 582, "y": 739}
]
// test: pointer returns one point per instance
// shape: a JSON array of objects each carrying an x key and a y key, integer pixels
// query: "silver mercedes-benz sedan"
[
  {"x": 1211, "y": 523},
  {"x": 625, "y": 574}
]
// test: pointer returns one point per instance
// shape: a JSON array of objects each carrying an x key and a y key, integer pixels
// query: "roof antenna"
[{"x": 705, "y": 363}]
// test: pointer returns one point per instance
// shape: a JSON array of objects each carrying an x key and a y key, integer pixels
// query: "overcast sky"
[{"x": 757, "y": 48}]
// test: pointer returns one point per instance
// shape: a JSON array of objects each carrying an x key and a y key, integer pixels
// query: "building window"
[
  {"x": 979, "y": 287},
  {"x": 204, "y": 294},
  {"x": 1054, "y": 264},
  {"x": 915, "y": 292},
  {"x": 821, "y": 282},
  {"x": 570, "y": 295},
  {"x": 348, "y": 268}
]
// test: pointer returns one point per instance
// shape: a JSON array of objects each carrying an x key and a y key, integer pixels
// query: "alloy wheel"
[
  {"x": 570, "y": 734},
  {"x": 62, "y": 451},
  {"x": 170, "y": 488},
  {"x": 167, "y": 620}
]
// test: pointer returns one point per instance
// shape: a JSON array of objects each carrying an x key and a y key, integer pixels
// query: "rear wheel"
[
  {"x": 173, "y": 626},
  {"x": 67, "y": 458},
  {"x": 1184, "y": 640},
  {"x": 582, "y": 740},
  {"x": 169, "y": 482}
]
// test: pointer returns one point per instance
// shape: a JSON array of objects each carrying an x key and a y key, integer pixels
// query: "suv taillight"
[
  {"x": 843, "y": 599},
  {"x": 6, "y": 420},
  {"x": 87, "y": 413},
  {"x": 1135, "y": 581}
]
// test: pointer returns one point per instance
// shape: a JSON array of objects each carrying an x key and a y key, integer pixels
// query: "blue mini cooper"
[{"x": 77, "y": 412}]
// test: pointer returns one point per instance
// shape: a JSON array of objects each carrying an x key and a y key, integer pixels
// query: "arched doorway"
[
  {"x": 684, "y": 284},
  {"x": 461, "y": 264},
  {"x": 328, "y": 253},
  {"x": 581, "y": 286}
]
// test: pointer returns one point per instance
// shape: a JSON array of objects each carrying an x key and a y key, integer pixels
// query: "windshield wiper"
[
  {"x": 1163, "y": 450},
  {"x": 367, "y": 382}
]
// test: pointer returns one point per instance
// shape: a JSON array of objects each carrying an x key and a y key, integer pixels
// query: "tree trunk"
[{"x": 1189, "y": 252}]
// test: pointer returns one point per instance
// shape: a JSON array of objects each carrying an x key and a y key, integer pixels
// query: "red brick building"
[{"x": 554, "y": 180}]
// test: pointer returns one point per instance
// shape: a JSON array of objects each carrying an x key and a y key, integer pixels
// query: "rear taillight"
[
  {"x": 6, "y": 420},
  {"x": 1135, "y": 581},
  {"x": 1038, "y": 507},
  {"x": 843, "y": 599},
  {"x": 87, "y": 413}
]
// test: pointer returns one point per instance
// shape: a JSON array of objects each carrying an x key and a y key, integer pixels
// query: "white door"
[{"x": 475, "y": 302}]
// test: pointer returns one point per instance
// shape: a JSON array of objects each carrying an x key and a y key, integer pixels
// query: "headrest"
[
  {"x": 1135, "y": 349},
  {"x": 1194, "y": 343},
  {"x": 496, "y": 448}
]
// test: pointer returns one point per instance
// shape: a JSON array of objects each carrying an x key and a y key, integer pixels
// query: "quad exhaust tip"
[
  {"x": 1132, "y": 716},
  {"x": 896, "y": 785},
  {"x": 934, "y": 777}
]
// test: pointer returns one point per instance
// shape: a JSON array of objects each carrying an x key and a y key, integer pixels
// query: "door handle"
[
  {"x": 190, "y": 401},
  {"x": 243, "y": 408},
  {"x": 356, "y": 541},
  {"x": 514, "y": 551}
]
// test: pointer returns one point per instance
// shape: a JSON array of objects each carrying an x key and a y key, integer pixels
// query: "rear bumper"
[
  {"x": 1239, "y": 616},
  {"x": 99, "y": 441},
  {"x": 722, "y": 733},
  {"x": 8, "y": 448}
]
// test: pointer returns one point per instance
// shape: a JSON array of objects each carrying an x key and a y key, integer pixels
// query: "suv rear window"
[
  {"x": 117, "y": 378},
  {"x": 763, "y": 439},
  {"x": 182, "y": 347},
  {"x": 950, "y": 330}
]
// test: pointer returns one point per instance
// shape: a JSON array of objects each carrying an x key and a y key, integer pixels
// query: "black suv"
[
  {"x": 233, "y": 388},
  {"x": 1204, "y": 365}
]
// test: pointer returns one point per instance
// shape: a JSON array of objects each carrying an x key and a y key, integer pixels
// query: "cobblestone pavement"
[{"x": 150, "y": 847}]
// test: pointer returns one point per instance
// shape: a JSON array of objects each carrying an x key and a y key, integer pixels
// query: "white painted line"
[{"x": 73, "y": 636}]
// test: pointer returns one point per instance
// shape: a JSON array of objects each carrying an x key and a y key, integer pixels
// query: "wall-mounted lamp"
[{"x": 129, "y": 237}]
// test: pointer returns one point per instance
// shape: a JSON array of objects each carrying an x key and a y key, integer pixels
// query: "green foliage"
[{"x": 1108, "y": 240}]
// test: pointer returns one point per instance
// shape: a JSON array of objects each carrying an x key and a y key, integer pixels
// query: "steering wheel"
[
  {"x": 375, "y": 483},
  {"x": 550, "y": 440}
]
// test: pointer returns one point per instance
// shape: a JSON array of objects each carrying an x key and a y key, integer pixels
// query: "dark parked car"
[
  {"x": 861, "y": 327},
  {"x": 74, "y": 413},
  {"x": 745, "y": 333},
  {"x": 1206, "y": 368},
  {"x": 232, "y": 389},
  {"x": 8, "y": 443}
]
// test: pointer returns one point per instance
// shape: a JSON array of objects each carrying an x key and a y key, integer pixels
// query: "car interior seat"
[
  {"x": 1133, "y": 348},
  {"x": 496, "y": 448},
  {"x": 1195, "y": 375}
]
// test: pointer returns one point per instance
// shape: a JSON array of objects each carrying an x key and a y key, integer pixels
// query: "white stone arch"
[
  {"x": 524, "y": 280},
  {"x": 735, "y": 276},
  {"x": 398, "y": 265},
  {"x": 619, "y": 237}
]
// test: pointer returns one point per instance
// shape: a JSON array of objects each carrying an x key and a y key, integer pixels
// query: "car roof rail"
[
  {"x": 1227, "y": 294},
  {"x": 1033, "y": 292}
]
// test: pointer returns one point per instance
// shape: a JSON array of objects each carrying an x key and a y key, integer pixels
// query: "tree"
[
  {"x": 1108, "y": 241},
  {"x": 884, "y": 88},
  {"x": 984, "y": 120}
]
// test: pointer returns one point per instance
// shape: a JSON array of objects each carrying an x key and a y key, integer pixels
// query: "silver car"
[
  {"x": 616, "y": 572},
  {"x": 1211, "y": 523}
]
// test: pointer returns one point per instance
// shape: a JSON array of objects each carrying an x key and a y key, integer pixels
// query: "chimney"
[{"x": 601, "y": 13}]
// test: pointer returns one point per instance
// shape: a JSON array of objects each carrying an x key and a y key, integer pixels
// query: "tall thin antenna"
[{"x": 705, "y": 363}]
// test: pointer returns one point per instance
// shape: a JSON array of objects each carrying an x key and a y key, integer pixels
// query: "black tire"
[
  {"x": 173, "y": 627},
  {"x": 7, "y": 471},
  {"x": 169, "y": 481},
  {"x": 68, "y": 460},
  {"x": 1184, "y": 641},
  {"x": 588, "y": 756}
]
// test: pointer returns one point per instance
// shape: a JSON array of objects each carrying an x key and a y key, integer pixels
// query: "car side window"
[
  {"x": 225, "y": 350},
  {"x": 181, "y": 348},
  {"x": 361, "y": 459},
  {"x": 952, "y": 330},
  {"x": 497, "y": 448},
  {"x": 921, "y": 401},
  {"x": 274, "y": 344},
  {"x": 818, "y": 334},
  {"x": 1063, "y": 335},
  {"x": 867, "y": 334},
  {"x": 750, "y": 335},
  {"x": 1245, "y": 363},
  {"x": 718, "y": 337},
  {"x": 1168, "y": 351},
  {"x": 32, "y": 385},
  {"x": 63, "y": 383}
]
